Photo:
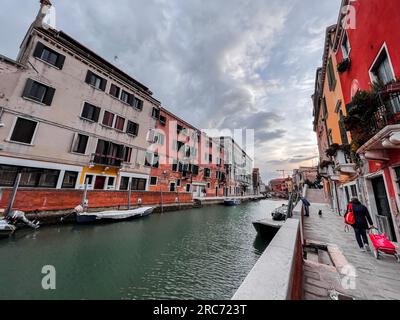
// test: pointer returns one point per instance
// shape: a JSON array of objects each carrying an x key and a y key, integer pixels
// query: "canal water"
[{"x": 192, "y": 254}]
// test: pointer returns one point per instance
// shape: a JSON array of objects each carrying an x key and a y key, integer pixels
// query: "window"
[
  {"x": 207, "y": 173},
  {"x": 163, "y": 120},
  {"x": 178, "y": 183},
  {"x": 96, "y": 81},
  {"x": 210, "y": 143},
  {"x": 179, "y": 129},
  {"x": 89, "y": 179},
  {"x": 208, "y": 185},
  {"x": 195, "y": 170},
  {"x": 175, "y": 165},
  {"x": 48, "y": 55},
  {"x": 70, "y": 179},
  {"x": 152, "y": 160},
  {"x": 108, "y": 119},
  {"x": 124, "y": 183},
  {"x": 115, "y": 91},
  {"x": 210, "y": 158},
  {"x": 159, "y": 138},
  {"x": 127, "y": 154},
  {"x": 125, "y": 96},
  {"x": 90, "y": 112},
  {"x": 138, "y": 104},
  {"x": 155, "y": 113},
  {"x": 343, "y": 132},
  {"x": 346, "y": 46},
  {"x": 119, "y": 123},
  {"x": 188, "y": 188},
  {"x": 331, "y": 75},
  {"x": 153, "y": 181},
  {"x": 382, "y": 72},
  {"x": 172, "y": 187},
  {"x": 138, "y": 184},
  {"x": 132, "y": 128},
  {"x": 108, "y": 153},
  {"x": 38, "y": 92},
  {"x": 324, "y": 109},
  {"x": 30, "y": 177},
  {"x": 80, "y": 144},
  {"x": 24, "y": 130},
  {"x": 110, "y": 182}
]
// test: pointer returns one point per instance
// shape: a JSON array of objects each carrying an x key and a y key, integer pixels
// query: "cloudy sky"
[{"x": 227, "y": 64}]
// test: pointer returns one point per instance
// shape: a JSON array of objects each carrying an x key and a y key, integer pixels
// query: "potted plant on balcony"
[
  {"x": 344, "y": 65},
  {"x": 332, "y": 150}
]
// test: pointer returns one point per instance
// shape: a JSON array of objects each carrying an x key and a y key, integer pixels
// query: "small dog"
[{"x": 320, "y": 213}]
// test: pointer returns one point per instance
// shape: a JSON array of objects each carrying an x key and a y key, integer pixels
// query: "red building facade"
[
  {"x": 370, "y": 51},
  {"x": 188, "y": 160}
]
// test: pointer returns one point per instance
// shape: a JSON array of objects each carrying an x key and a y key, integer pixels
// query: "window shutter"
[
  {"x": 74, "y": 142},
  {"x": 38, "y": 50},
  {"x": 88, "y": 76},
  {"x": 103, "y": 84},
  {"x": 60, "y": 61},
  {"x": 136, "y": 129},
  {"x": 48, "y": 98},
  {"x": 139, "y": 105},
  {"x": 28, "y": 87}
]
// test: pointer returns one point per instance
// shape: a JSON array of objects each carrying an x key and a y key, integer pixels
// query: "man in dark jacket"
[
  {"x": 306, "y": 205},
  {"x": 362, "y": 218}
]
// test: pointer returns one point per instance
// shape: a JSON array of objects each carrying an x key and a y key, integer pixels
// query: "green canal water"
[{"x": 193, "y": 254}]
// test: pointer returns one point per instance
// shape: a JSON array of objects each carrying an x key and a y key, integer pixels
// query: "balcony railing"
[{"x": 107, "y": 160}]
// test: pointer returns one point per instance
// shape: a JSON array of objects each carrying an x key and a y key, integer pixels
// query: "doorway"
[
  {"x": 384, "y": 214},
  {"x": 100, "y": 183}
]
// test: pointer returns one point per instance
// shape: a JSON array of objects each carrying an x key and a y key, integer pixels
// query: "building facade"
[
  {"x": 69, "y": 118},
  {"x": 368, "y": 69}
]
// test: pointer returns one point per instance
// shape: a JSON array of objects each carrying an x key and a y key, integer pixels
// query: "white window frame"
[
  {"x": 371, "y": 74},
  {"x": 347, "y": 55},
  {"x": 83, "y": 106},
  {"x": 155, "y": 183},
  {"x": 13, "y": 128},
  {"x": 76, "y": 134}
]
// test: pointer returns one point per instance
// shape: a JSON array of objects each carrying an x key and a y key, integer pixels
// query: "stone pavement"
[{"x": 375, "y": 279}]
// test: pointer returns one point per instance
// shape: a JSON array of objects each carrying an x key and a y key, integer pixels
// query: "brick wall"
[{"x": 30, "y": 200}]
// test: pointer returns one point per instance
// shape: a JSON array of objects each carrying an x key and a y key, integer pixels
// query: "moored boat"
[
  {"x": 232, "y": 202},
  {"x": 84, "y": 217},
  {"x": 6, "y": 229}
]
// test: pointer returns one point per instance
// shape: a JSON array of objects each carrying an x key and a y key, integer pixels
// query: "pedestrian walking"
[
  {"x": 360, "y": 221},
  {"x": 306, "y": 206}
]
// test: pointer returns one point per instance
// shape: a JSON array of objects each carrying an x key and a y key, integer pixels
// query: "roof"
[{"x": 11, "y": 61}]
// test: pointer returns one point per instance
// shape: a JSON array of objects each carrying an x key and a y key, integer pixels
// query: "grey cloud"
[{"x": 217, "y": 64}]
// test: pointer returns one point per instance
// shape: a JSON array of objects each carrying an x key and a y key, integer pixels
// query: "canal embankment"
[{"x": 49, "y": 206}]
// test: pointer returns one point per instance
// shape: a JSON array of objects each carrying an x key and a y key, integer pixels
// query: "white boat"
[
  {"x": 6, "y": 229},
  {"x": 113, "y": 215}
]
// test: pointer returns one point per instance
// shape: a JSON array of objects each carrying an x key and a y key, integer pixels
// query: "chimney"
[{"x": 45, "y": 6}]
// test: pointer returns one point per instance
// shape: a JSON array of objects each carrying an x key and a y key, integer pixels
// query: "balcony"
[
  {"x": 106, "y": 160},
  {"x": 372, "y": 111}
]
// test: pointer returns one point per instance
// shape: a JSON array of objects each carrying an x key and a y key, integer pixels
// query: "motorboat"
[
  {"x": 232, "y": 202},
  {"x": 6, "y": 229},
  {"x": 85, "y": 217}
]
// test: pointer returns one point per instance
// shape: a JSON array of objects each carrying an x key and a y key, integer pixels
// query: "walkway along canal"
[{"x": 191, "y": 254}]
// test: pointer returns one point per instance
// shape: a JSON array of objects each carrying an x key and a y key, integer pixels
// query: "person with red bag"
[{"x": 357, "y": 215}]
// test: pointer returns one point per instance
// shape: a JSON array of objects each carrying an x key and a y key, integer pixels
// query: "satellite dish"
[{"x": 49, "y": 19}]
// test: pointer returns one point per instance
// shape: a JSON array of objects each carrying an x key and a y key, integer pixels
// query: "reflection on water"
[{"x": 193, "y": 254}]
